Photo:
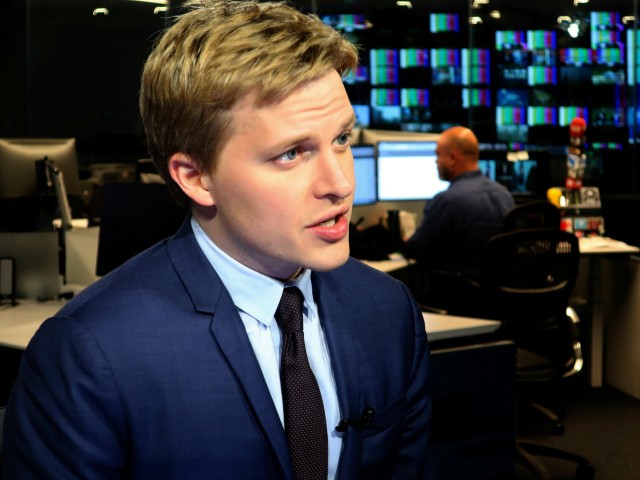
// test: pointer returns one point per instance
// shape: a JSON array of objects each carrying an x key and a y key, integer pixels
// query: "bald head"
[
  {"x": 457, "y": 152},
  {"x": 461, "y": 139}
]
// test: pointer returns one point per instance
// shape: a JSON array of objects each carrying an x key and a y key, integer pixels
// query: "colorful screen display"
[
  {"x": 511, "y": 116},
  {"x": 476, "y": 97},
  {"x": 576, "y": 56},
  {"x": 609, "y": 56},
  {"x": 385, "y": 96},
  {"x": 541, "y": 39},
  {"x": 414, "y": 57},
  {"x": 537, "y": 75},
  {"x": 383, "y": 66},
  {"x": 542, "y": 116},
  {"x": 568, "y": 113},
  {"x": 510, "y": 39},
  {"x": 444, "y": 22},
  {"x": 414, "y": 97}
]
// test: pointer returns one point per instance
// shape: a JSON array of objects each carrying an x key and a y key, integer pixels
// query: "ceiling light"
[
  {"x": 628, "y": 19},
  {"x": 158, "y": 10},
  {"x": 475, "y": 20},
  {"x": 495, "y": 14},
  {"x": 577, "y": 2},
  {"x": 573, "y": 30},
  {"x": 100, "y": 11},
  {"x": 575, "y": 27},
  {"x": 404, "y": 3}
]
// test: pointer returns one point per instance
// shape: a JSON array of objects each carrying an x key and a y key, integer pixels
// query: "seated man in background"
[{"x": 457, "y": 223}]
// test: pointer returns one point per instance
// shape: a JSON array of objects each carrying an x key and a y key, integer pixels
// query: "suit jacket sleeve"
[
  {"x": 414, "y": 454},
  {"x": 64, "y": 407}
]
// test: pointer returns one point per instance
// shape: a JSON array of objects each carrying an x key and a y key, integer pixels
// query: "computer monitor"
[
  {"x": 29, "y": 194},
  {"x": 364, "y": 162},
  {"x": 18, "y": 157},
  {"x": 527, "y": 177},
  {"x": 407, "y": 170}
]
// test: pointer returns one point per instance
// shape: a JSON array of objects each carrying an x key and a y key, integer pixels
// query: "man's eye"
[
  {"x": 289, "y": 155},
  {"x": 343, "y": 138}
]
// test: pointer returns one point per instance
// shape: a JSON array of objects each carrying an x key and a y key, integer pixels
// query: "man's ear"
[{"x": 190, "y": 179}]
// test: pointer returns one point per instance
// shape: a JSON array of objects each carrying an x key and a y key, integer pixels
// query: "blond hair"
[{"x": 215, "y": 54}]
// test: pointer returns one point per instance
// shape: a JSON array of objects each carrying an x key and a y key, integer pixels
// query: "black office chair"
[
  {"x": 527, "y": 279},
  {"x": 539, "y": 214}
]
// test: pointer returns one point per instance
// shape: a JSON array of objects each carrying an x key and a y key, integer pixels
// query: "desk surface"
[
  {"x": 18, "y": 324},
  {"x": 441, "y": 327},
  {"x": 604, "y": 245}
]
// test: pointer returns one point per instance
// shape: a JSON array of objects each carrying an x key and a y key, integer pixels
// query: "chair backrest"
[
  {"x": 133, "y": 217},
  {"x": 528, "y": 277},
  {"x": 532, "y": 215}
]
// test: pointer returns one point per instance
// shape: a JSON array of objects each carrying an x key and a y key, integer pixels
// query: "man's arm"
[
  {"x": 59, "y": 421},
  {"x": 414, "y": 453},
  {"x": 432, "y": 228}
]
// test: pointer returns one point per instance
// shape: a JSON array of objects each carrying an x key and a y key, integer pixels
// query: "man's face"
[
  {"x": 284, "y": 182},
  {"x": 443, "y": 161}
]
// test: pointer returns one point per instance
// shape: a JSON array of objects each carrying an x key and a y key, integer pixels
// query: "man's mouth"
[{"x": 328, "y": 223}]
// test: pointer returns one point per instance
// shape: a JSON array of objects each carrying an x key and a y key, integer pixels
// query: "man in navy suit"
[{"x": 168, "y": 367}]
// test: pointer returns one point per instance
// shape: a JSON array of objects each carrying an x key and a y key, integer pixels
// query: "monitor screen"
[
  {"x": 363, "y": 115},
  {"x": 414, "y": 97},
  {"x": 510, "y": 40},
  {"x": 383, "y": 68},
  {"x": 576, "y": 56},
  {"x": 414, "y": 57},
  {"x": 364, "y": 163},
  {"x": 444, "y": 22},
  {"x": 476, "y": 97},
  {"x": 525, "y": 177},
  {"x": 541, "y": 39},
  {"x": 407, "y": 171},
  {"x": 542, "y": 116}
]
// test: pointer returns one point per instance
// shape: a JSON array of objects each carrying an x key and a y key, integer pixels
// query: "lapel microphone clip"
[{"x": 364, "y": 422}]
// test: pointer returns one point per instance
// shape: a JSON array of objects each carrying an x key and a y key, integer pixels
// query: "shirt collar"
[
  {"x": 469, "y": 174},
  {"x": 252, "y": 292}
]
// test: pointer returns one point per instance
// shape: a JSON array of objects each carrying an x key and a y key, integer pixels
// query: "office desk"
[
  {"x": 19, "y": 323},
  {"x": 444, "y": 327},
  {"x": 591, "y": 286}
]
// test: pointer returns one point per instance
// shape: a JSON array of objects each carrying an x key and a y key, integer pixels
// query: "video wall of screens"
[{"x": 523, "y": 86}]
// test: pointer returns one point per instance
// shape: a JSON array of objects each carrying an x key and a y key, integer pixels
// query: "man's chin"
[{"x": 330, "y": 261}]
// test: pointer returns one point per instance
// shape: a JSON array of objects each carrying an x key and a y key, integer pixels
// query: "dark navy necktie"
[{"x": 304, "y": 418}]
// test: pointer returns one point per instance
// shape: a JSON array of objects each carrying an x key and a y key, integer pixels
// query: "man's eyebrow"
[{"x": 352, "y": 120}]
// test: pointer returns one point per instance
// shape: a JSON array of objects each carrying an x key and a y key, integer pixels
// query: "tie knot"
[{"x": 289, "y": 311}]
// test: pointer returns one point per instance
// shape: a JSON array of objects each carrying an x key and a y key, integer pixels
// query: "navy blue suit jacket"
[{"x": 149, "y": 374}]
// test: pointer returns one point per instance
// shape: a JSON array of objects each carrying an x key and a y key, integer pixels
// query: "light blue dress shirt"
[{"x": 257, "y": 296}]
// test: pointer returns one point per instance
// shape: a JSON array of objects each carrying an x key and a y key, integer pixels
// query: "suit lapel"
[
  {"x": 231, "y": 337},
  {"x": 335, "y": 311},
  {"x": 209, "y": 295}
]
